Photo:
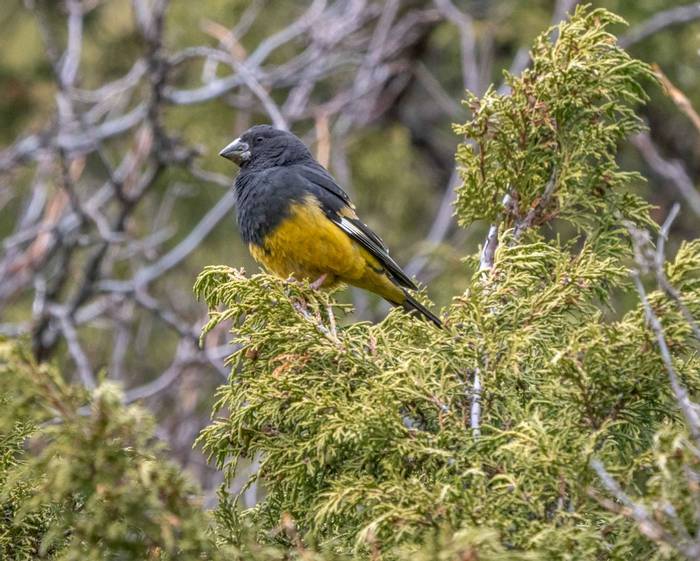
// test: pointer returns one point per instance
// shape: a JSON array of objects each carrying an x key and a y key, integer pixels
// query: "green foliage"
[
  {"x": 363, "y": 431},
  {"x": 367, "y": 436},
  {"x": 363, "y": 434},
  {"x": 672, "y": 493},
  {"x": 84, "y": 482},
  {"x": 558, "y": 126}
]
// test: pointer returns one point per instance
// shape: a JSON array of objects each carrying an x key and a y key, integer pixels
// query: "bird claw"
[{"x": 318, "y": 283}]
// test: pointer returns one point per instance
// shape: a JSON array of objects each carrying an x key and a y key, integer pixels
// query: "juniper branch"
[{"x": 686, "y": 405}]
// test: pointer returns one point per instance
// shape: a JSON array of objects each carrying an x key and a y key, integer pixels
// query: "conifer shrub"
[
  {"x": 375, "y": 439},
  {"x": 87, "y": 482}
]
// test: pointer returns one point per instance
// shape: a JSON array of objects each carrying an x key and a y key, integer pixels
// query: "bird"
[{"x": 298, "y": 222}]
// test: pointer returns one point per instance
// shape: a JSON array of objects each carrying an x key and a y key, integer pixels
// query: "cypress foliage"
[
  {"x": 82, "y": 483},
  {"x": 524, "y": 430},
  {"x": 365, "y": 432}
]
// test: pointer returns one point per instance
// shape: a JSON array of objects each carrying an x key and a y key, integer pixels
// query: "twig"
[
  {"x": 315, "y": 321},
  {"x": 660, "y": 21},
  {"x": 678, "y": 97},
  {"x": 268, "y": 103},
  {"x": 671, "y": 170},
  {"x": 661, "y": 277},
  {"x": 165, "y": 380},
  {"x": 475, "y": 416},
  {"x": 465, "y": 25},
  {"x": 71, "y": 58},
  {"x": 302, "y": 24},
  {"x": 440, "y": 226},
  {"x": 647, "y": 525},
  {"x": 536, "y": 212},
  {"x": 114, "y": 88},
  {"x": 210, "y": 220},
  {"x": 488, "y": 252},
  {"x": 687, "y": 407},
  {"x": 81, "y": 360},
  {"x": 331, "y": 320},
  {"x": 323, "y": 137}
]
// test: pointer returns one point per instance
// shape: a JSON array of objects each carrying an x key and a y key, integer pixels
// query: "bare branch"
[
  {"x": 268, "y": 103},
  {"x": 687, "y": 407},
  {"x": 646, "y": 524},
  {"x": 208, "y": 222},
  {"x": 71, "y": 58},
  {"x": 465, "y": 25},
  {"x": 659, "y": 22},
  {"x": 678, "y": 97},
  {"x": 475, "y": 416},
  {"x": 671, "y": 170},
  {"x": 488, "y": 251},
  {"x": 295, "y": 29},
  {"x": 75, "y": 349},
  {"x": 111, "y": 89},
  {"x": 439, "y": 228},
  {"x": 661, "y": 275}
]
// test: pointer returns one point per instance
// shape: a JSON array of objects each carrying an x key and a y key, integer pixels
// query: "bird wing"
[
  {"x": 314, "y": 173},
  {"x": 361, "y": 233},
  {"x": 336, "y": 203}
]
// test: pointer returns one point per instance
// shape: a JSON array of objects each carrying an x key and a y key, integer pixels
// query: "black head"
[{"x": 264, "y": 146}]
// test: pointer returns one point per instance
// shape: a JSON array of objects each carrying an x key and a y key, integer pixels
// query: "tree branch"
[{"x": 659, "y": 22}]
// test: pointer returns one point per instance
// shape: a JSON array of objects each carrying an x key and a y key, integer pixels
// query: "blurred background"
[{"x": 113, "y": 197}]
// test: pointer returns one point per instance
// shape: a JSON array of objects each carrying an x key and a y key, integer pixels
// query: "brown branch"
[
  {"x": 536, "y": 212},
  {"x": 678, "y": 97}
]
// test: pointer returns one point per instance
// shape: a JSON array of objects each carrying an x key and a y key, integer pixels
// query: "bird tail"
[{"x": 414, "y": 307}]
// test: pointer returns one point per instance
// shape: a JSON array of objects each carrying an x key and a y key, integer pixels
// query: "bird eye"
[{"x": 259, "y": 140}]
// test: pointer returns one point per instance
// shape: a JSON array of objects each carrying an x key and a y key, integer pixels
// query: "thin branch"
[
  {"x": 646, "y": 523},
  {"x": 488, "y": 251},
  {"x": 440, "y": 227},
  {"x": 183, "y": 355},
  {"x": 329, "y": 334},
  {"x": 671, "y": 170},
  {"x": 678, "y": 97},
  {"x": 268, "y": 103},
  {"x": 687, "y": 407},
  {"x": 71, "y": 58},
  {"x": 208, "y": 222},
  {"x": 145, "y": 300},
  {"x": 475, "y": 414},
  {"x": 75, "y": 349},
  {"x": 661, "y": 277},
  {"x": 465, "y": 24},
  {"x": 219, "y": 87},
  {"x": 114, "y": 88},
  {"x": 437, "y": 92},
  {"x": 536, "y": 212},
  {"x": 659, "y": 22},
  {"x": 295, "y": 29}
]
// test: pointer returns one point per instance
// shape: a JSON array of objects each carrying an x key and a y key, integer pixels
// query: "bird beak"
[{"x": 238, "y": 152}]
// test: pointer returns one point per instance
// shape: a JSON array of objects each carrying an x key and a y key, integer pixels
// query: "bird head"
[{"x": 265, "y": 146}]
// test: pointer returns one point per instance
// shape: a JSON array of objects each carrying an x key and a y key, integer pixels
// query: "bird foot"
[{"x": 318, "y": 283}]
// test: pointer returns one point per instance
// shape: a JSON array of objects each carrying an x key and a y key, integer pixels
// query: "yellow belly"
[{"x": 307, "y": 245}]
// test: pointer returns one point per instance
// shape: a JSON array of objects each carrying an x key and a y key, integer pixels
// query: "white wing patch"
[{"x": 379, "y": 251}]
